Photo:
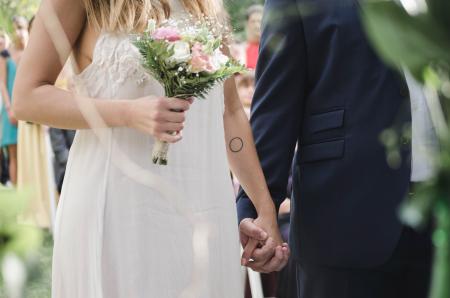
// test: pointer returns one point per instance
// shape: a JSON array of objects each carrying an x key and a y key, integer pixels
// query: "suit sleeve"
[{"x": 277, "y": 106}]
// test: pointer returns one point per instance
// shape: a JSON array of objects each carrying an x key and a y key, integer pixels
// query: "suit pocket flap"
[
  {"x": 326, "y": 121},
  {"x": 322, "y": 151}
]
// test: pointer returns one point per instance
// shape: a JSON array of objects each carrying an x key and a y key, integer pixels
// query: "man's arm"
[
  {"x": 278, "y": 101},
  {"x": 277, "y": 110}
]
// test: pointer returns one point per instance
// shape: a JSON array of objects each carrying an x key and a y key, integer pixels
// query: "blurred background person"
[
  {"x": 5, "y": 43},
  {"x": 4, "y": 175},
  {"x": 8, "y": 143},
  {"x": 248, "y": 51},
  {"x": 245, "y": 84},
  {"x": 35, "y": 171},
  {"x": 21, "y": 36},
  {"x": 253, "y": 30},
  {"x": 4, "y": 46}
]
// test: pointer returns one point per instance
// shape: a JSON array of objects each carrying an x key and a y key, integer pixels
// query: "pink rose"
[
  {"x": 166, "y": 33},
  {"x": 201, "y": 61}
]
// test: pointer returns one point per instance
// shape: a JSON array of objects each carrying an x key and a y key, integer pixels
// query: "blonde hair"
[{"x": 133, "y": 15}]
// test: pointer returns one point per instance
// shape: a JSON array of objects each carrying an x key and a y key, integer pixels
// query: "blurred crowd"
[{"x": 33, "y": 157}]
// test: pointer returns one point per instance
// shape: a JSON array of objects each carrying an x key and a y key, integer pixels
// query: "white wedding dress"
[{"x": 129, "y": 229}]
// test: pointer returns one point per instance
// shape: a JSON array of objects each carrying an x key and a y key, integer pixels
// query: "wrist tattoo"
[{"x": 236, "y": 145}]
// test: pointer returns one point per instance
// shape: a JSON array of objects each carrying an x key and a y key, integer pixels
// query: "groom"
[{"x": 321, "y": 86}]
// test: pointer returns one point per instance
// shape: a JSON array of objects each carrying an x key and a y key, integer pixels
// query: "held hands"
[
  {"x": 264, "y": 250},
  {"x": 159, "y": 117}
]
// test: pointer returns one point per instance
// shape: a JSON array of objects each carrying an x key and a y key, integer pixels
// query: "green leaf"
[
  {"x": 440, "y": 11},
  {"x": 405, "y": 40},
  {"x": 17, "y": 238}
]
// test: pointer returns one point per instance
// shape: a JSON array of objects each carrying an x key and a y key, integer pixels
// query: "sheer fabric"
[{"x": 127, "y": 228}]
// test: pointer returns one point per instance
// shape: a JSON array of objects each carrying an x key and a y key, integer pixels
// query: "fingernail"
[
  {"x": 264, "y": 235},
  {"x": 243, "y": 262}
]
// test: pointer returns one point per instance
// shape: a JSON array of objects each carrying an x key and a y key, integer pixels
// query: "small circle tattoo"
[{"x": 236, "y": 145}]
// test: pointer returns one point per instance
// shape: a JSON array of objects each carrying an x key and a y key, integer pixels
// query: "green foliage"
[
  {"x": 5, "y": 21},
  {"x": 16, "y": 239},
  {"x": 39, "y": 273},
  {"x": 26, "y": 8},
  {"x": 19, "y": 239},
  {"x": 404, "y": 40},
  {"x": 440, "y": 11}
]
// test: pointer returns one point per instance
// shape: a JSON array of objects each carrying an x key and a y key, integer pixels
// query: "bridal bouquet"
[{"x": 186, "y": 58}]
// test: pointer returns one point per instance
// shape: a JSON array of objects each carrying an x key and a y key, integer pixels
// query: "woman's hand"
[
  {"x": 158, "y": 116},
  {"x": 11, "y": 116}
]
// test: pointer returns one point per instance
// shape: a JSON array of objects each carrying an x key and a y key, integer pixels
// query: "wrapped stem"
[
  {"x": 160, "y": 151},
  {"x": 161, "y": 148}
]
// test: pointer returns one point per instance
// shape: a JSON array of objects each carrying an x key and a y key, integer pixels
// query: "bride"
[{"x": 118, "y": 234}]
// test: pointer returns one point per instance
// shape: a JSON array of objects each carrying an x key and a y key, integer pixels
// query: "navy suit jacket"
[{"x": 321, "y": 85}]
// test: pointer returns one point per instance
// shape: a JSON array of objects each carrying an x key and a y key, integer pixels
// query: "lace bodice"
[{"x": 116, "y": 60}]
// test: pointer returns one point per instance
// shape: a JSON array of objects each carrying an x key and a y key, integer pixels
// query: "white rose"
[
  {"x": 181, "y": 52},
  {"x": 219, "y": 59}
]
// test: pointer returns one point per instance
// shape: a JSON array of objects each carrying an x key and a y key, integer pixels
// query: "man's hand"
[
  {"x": 278, "y": 260},
  {"x": 262, "y": 252}
]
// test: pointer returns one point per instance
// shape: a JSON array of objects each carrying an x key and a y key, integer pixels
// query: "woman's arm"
[
  {"x": 3, "y": 83},
  {"x": 36, "y": 99},
  {"x": 245, "y": 164},
  {"x": 4, "y": 95},
  {"x": 242, "y": 154},
  {"x": 4, "y": 91}
]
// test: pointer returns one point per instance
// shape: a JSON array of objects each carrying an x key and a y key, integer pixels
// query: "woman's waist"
[{"x": 198, "y": 152}]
